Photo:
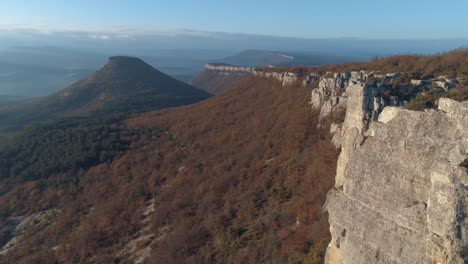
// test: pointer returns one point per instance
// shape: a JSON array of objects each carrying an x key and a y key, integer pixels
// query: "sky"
[{"x": 371, "y": 19}]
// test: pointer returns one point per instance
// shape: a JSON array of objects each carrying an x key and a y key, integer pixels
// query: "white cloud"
[
  {"x": 113, "y": 32},
  {"x": 100, "y": 37}
]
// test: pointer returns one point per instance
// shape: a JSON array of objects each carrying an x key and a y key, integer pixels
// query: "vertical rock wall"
[{"x": 401, "y": 185}]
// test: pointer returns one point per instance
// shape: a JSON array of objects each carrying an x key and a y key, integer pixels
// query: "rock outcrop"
[
  {"x": 286, "y": 78},
  {"x": 332, "y": 95},
  {"x": 401, "y": 187},
  {"x": 400, "y": 193},
  {"x": 20, "y": 225}
]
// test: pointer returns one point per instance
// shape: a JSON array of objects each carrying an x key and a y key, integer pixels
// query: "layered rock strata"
[
  {"x": 401, "y": 186},
  {"x": 228, "y": 68}
]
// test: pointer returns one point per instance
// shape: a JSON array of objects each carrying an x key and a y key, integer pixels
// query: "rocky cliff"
[
  {"x": 227, "y": 68},
  {"x": 401, "y": 184},
  {"x": 381, "y": 90},
  {"x": 217, "y": 78},
  {"x": 286, "y": 78}
]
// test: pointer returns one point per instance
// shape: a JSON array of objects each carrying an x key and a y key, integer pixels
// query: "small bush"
[{"x": 428, "y": 100}]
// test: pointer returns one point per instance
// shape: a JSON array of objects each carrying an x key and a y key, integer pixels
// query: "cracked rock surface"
[{"x": 401, "y": 186}]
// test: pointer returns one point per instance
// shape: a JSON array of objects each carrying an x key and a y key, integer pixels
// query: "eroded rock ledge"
[
  {"x": 331, "y": 94},
  {"x": 401, "y": 185}
]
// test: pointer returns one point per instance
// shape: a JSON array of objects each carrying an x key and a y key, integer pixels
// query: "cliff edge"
[{"x": 401, "y": 186}]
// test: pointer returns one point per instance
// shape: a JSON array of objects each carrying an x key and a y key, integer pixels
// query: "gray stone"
[
  {"x": 458, "y": 156},
  {"x": 311, "y": 78},
  {"x": 388, "y": 114},
  {"x": 401, "y": 186}
]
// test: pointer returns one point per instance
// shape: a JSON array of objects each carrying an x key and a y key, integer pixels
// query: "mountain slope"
[
  {"x": 232, "y": 180},
  {"x": 247, "y": 163},
  {"x": 123, "y": 85}
]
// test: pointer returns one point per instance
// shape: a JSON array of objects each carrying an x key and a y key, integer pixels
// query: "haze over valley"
[{"x": 34, "y": 63}]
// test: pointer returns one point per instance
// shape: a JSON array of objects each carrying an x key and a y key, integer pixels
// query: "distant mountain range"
[
  {"x": 35, "y": 64},
  {"x": 278, "y": 58},
  {"x": 123, "y": 85}
]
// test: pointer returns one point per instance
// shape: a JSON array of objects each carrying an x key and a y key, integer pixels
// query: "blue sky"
[{"x": 296, "y": 18}]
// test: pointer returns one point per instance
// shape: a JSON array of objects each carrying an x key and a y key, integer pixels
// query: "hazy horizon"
[
  {"x": 366, "y": 19},
  {"x": 47, "y": 45},
  {"x": 36, "y": 63}
]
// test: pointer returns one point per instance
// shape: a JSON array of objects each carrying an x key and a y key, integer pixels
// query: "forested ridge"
[{"x": 64, "y": 146}]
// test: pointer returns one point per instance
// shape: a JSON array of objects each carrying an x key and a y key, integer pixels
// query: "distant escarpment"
[
  {"x": 265, "y": 58},
  {"x": 217, "y": 78}
]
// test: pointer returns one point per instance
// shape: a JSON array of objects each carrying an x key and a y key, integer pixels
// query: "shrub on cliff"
[{"x": 427, "y": 100}]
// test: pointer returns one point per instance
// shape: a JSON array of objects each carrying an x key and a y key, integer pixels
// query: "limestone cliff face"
[
  {"x": 228, "y": 68},
  {"x": 401, "y": 185},
  {"x": 286, "y": 78},
  {"x": 381, "y": 90},
  {"x": 218, "y": 78}
]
